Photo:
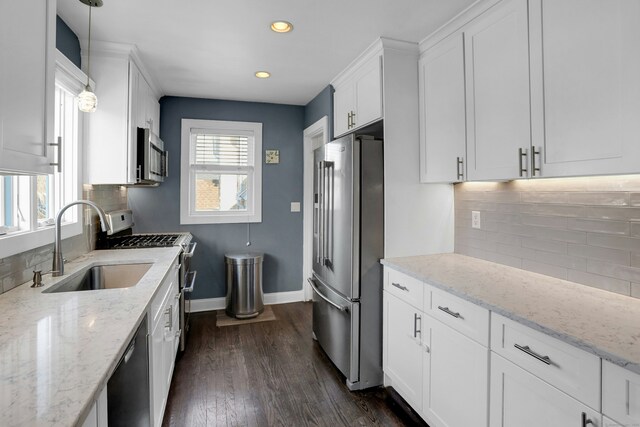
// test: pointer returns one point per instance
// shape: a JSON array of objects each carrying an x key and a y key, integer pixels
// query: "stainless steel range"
[{"x": 121, "y": 223}]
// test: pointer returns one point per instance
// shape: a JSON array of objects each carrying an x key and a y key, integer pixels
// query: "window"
[
  {"x": 28, "y": 204},
  {"x": 221, "y": 172}
]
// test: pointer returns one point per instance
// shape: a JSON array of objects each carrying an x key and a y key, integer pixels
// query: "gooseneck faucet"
[{"x": 58, "y": 261}]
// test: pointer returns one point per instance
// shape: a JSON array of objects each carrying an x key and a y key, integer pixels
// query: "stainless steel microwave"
[{"x": 152, "y": 164}]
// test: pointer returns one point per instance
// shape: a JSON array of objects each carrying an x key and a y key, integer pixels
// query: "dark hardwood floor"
[{"x": 268, "y": 374}]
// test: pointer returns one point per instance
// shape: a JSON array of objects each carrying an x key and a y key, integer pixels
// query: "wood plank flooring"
[{"x": 268, "y": 374}]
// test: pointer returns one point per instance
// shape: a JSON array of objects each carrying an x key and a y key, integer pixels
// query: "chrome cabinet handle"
[
  {"x": 353, "y": 119},
  {"x": 460, "y": 167},
  {"x": 169, "y": 322},
  {"x": 59, "y": 162},
  {"x": 349, "y": 120},
  {"x": 417, "y": 331},
  {"x": 449, "y": 312},
  {"x": 585, "y": 420},
  {"x": 534, "y": 169},
  {"x": 522, "y": 154},
  {"x": 544, "y": 359},
  {"x": 399, "y": 286}
]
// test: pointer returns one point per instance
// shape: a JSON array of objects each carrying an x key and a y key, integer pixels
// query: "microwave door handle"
[{"x": 165, "y": 164}]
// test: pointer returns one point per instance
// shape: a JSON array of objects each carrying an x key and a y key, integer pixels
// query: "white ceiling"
[{"x": 211, "y": 48}]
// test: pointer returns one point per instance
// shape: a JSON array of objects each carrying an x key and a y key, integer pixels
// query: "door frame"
[{"x": 310, "y": 140}]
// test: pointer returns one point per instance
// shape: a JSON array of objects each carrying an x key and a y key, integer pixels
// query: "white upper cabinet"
[
  {"x": 585, "y": 64},
  {"x": 497, "y": 77},
  {"x": 126, "y": 101},
  {"x": 358, "y": 95},
  {"x": 442, "y": 112},
  {"x": 27, "y": 69}
]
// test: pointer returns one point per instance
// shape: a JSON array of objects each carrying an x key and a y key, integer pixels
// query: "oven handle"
[
  {"x": 190, "y": 249},
  {"x": 191, "y": 278}
]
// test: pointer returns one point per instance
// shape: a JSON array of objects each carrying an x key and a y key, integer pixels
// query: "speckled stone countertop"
[
  {"x": 597, "y": 321},
  {"x": 58, "y": 350}
]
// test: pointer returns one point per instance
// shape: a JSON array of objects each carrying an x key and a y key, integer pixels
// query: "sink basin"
[{"x": 112, "y": 276}]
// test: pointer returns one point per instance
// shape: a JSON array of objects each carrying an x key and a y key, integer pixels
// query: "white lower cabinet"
[
  {"x": 520, "y": 399},
  {"x": 403, "y": 352},
  {"x": 164, "y": 341},
  {"x": 455, "y": 378},
  {"x": 98, "y": 416},
  {"x": 620, "y": 394}
]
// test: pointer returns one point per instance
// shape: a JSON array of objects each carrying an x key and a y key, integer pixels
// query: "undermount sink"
[{"x": 111, "y": 276}]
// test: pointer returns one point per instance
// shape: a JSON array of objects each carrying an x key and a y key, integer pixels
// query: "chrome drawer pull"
[
  {"x": 526, "y": 349},
  {"x": 585, "y": 420},
  {"x": 449, "y": 312},
  {"x": 417, "y": 331},
  {"x": 399, "y": 286}
]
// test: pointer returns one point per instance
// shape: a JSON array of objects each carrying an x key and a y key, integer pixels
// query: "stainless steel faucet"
[{"x": 58, "y": 261}]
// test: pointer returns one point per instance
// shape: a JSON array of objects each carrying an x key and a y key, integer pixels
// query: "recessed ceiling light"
[
  {"x": 281, "y": 26},
  {"x": 263, "y": 74}
]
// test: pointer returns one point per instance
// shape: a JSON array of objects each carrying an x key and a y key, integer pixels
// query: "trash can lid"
[{"x": 246, "y": 258}]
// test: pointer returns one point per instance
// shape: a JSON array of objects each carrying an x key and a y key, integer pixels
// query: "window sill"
[
  {"x": 220, "y": 219},
  {"x": 12, "y": 244}
]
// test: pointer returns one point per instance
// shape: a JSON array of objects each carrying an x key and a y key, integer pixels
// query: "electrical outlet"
[
  {"x": 475, "y": 219},
  {"x": 295, "y": 206}
]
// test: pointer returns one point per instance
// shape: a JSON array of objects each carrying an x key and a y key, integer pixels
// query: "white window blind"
[{"x": 221, "y": 150}]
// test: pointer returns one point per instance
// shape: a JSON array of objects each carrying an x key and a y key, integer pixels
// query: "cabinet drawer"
[
  {"x": 465, "y": 317},
  {"x": 406, "y": 288},
  {"x": 620, "y": 394},
  {"x": 169, "y": 285},
  {"x": 564, "y": 366}
]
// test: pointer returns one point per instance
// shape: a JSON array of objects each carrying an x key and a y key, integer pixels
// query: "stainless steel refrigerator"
[{"x": 348, "y": 220}]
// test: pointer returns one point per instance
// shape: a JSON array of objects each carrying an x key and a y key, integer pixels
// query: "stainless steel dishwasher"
[{"x": 128, "y": 388}]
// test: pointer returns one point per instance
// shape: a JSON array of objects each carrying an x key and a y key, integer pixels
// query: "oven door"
[{"x": 187, "y": 282}]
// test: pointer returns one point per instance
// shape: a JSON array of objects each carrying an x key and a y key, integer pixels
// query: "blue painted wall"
[
  {"x": 279, "y": 235},
  {"x": 67, "y": 42},
  {"x": 321, "y": 105}
]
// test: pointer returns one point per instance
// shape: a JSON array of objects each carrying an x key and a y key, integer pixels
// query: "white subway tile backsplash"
[{"x": 582, "y": 229}]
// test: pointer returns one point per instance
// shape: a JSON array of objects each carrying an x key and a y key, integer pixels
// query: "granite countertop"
[
  {"x": 58, "y": 350},
  {"x": 601, "y": 322}
]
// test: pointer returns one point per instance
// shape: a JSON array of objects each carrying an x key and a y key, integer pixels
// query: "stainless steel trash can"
[{"x": 244, "y": 285}]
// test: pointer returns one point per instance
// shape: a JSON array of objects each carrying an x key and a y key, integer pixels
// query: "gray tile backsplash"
[
  {"x": 586, "y": 230},
  {"x": 17, "y": 269}
]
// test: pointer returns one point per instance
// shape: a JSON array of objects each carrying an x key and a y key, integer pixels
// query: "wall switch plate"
[
  {"x": 295, "y": 206},
  {"x": 272, "y": 157},
  {"x": 475, "y": 219}
]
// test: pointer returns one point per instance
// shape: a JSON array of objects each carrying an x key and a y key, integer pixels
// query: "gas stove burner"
[{"x": 144, "y": 241}]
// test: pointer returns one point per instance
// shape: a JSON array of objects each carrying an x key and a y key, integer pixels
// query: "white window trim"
[
  {"x": 186, "y": 192},
  {"x": 73, "y": 79}
]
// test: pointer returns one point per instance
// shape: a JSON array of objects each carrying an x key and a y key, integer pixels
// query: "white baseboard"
[{"x": 210, "y": 304}]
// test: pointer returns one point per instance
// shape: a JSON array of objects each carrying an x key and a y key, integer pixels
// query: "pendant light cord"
[{"x": 89, "y": 48}]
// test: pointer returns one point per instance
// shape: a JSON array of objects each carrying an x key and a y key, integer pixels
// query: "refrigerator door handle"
[
  {"x": 320, "y": 213},
  {"x": 328, "y": 239},
  {"x": 315, "y": 289}
]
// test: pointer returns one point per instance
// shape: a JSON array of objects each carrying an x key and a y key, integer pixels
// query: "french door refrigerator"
[{"x": 348, "y": 220}]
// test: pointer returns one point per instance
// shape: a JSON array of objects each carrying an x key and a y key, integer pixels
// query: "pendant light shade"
[{"x": 87, "y": 100}]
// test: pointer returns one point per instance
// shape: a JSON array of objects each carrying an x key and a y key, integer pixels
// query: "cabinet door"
[
  {"x": 585, "y": 85},
  {"x": 27, "y": 69},
  {"x": 402, "y": 349},
  {"x": 620, "y": 394},
  {"x": 520, "y": 399},
  {"x": 442, "y": 112},
  {"x": 343, "y": 106},
  {"x": 456, "y": 383},
  {"x": 368, "y": 91},
  {"x": 158, "y": 383},
  {"x": 497, "y": 76}
]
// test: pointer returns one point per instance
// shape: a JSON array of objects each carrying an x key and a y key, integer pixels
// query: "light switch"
[{"x": 295, "y": 206}]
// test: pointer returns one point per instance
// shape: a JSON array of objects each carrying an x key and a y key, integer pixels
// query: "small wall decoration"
[{"x": 272, "y": 156}]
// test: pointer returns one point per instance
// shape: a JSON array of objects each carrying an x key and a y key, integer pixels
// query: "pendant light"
[{"x": 87, "y": 100}]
